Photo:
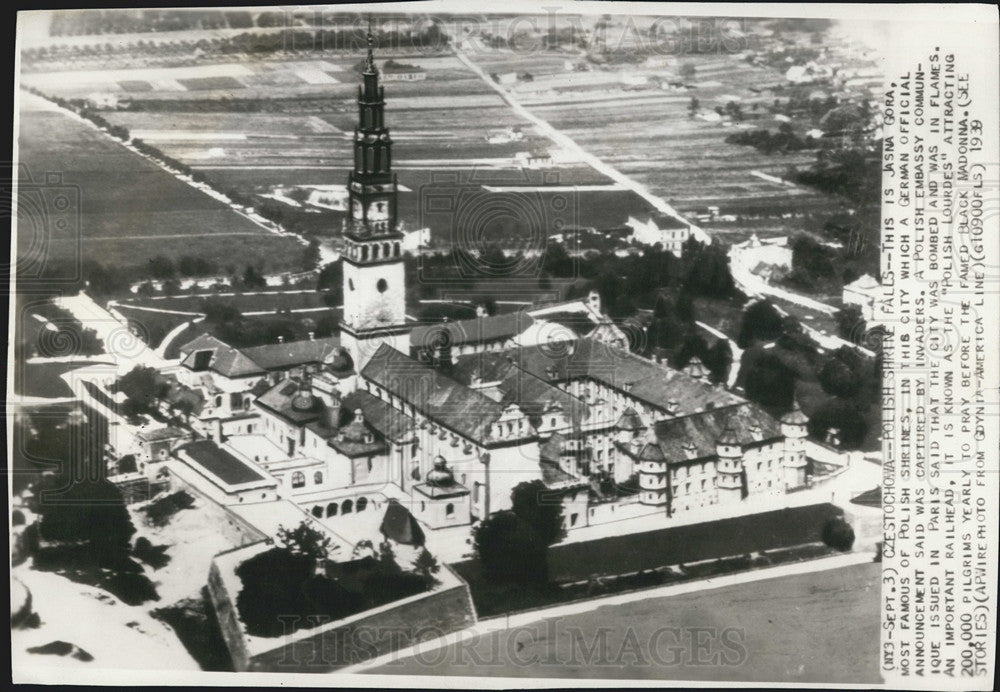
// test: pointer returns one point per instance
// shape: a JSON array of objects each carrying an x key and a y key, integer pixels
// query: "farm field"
[
  {"x": 257, "y": 125},
  {"x": 124, "y": 210},
  {"x": 683, "y": 159}
]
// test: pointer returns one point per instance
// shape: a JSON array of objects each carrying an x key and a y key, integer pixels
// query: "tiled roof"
[
  {"x": 168, "y": 433},
  {"x": 472, "y": 331},
  {"x": 701, "y": 431},
  {"x": 444, "y": 400},
  {"x": 383, "y": 418},
  {"x": 226, "y": 360},
  {"x": 278, "y": 399},
  {"x": 536, "y": 397},
  {"x": 204, "y": 341},
  {"x": 649, "y": 382},
  {"x": 293, "y": 353}
]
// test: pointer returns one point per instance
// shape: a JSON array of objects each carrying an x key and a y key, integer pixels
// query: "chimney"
[
  {"x": 359, "y": 416},
  {"x": 311, "y": 335},
  {"x": 281, "y": 339}
]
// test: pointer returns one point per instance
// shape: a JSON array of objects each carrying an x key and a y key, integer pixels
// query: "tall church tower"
[{"x": 374, "y": 288}]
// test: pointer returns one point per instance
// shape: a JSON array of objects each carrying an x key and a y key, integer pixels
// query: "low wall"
[
  {"x": 349, "y": 641},
  {"x": 235, "y": 529}
]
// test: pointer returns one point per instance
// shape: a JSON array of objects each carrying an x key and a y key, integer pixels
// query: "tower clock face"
[{"x": 378, "y": 211}]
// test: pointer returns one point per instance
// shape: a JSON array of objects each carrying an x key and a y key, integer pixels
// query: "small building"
[
  {"x": 863, "y": 292},
  {"x": 220, "y": 475},
  {"x": 664, "y": 230}
]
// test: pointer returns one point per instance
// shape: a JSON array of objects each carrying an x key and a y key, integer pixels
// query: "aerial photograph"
[{"x": 354, "y": 341}]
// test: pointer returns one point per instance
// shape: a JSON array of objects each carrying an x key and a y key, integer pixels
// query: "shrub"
[{"x": 838, "y": 534}]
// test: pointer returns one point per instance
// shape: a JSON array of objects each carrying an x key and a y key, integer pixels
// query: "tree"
[
  {"x": 837, "y": 533},
  {"x": 220, "y": 311},
  {"x": 693, "y": 106},
  {"x": 426, "y": 565},
  {"x": 85, "y": 510},
  {"x": 142, "y": 387},
  {"x": 688, "y": 70},
  {"x": 767, "y": 380},
  {"x": 846, "y": 417},
  {"x": 850, "y": 323},
  {"x": 253, "y": 279},
  {"x": 306, "y": 541},
  {"x": 509, "y": 550},
  {"x": 760, "y": 321},
  {"x": 540, "y": 508},
  {"x": 838, "y": 378},
  {"x": 311, "y": 255},
  {"x": 719, "y": 360},
  {"x": 161, "y": 267}
]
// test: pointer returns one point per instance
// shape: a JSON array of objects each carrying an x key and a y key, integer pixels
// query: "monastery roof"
[
  {"x": 293, "y": 353},
  {"x": 444, "y": 400},
  {"x": 642, "y": 379},
  {"x": 226, "y": 360},
  {"x": 701, "y": 432},
  {"x": 471, "y": 331}
]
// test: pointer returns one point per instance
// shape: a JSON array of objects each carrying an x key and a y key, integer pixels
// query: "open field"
[
  {"x": 123, "y": 210},
  {"x": 805, "y": 628}
]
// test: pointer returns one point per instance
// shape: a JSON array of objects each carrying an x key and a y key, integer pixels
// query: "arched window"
[
  {"x": 298, "y": 479},
  {"x": 374, "y": 251},
  {"x": 317, "y": 512},
  {"x": 386, "y": 248},
  {"x": 362, "y": 504},
  {"x": 331, "y": 509},
  {"x": 347, "y": 508},
  {"x": 396, "y": 248},
  {"x": 449, "y": 510},
  {"x": 364, "y": 252},
  {"x": 318, "y": 477},
  {"x": 371, "y": 161},
  {"x": 218, "y": 401},
  {"x": 382, "y": 286}
]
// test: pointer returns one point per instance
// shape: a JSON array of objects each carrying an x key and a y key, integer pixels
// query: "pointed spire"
[{"x": 370, "y": 61}]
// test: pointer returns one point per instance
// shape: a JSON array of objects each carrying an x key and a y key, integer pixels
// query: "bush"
[{"x": 838, "y": 534}]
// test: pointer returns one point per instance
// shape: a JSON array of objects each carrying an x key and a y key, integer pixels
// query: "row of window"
[
  {"x": 346, "y": 507},
  {"x": 375, "y": 251},
  {"x": 299, "y": 479}
]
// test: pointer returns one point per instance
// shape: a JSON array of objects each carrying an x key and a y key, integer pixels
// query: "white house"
[{"x": 863, "y": 292}]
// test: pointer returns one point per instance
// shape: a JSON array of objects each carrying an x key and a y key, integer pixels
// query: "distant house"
[
  {"x": 863, "y": 292},
  {"x": 667, "y": 231}
]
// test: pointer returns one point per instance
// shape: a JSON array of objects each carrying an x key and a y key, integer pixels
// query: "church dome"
[{"x": 440, "y": 475}]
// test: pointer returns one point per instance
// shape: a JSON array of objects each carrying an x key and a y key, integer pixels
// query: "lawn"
[
  {"x": 807, "y": 628},
  {"x": 691, "y": 543}
]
